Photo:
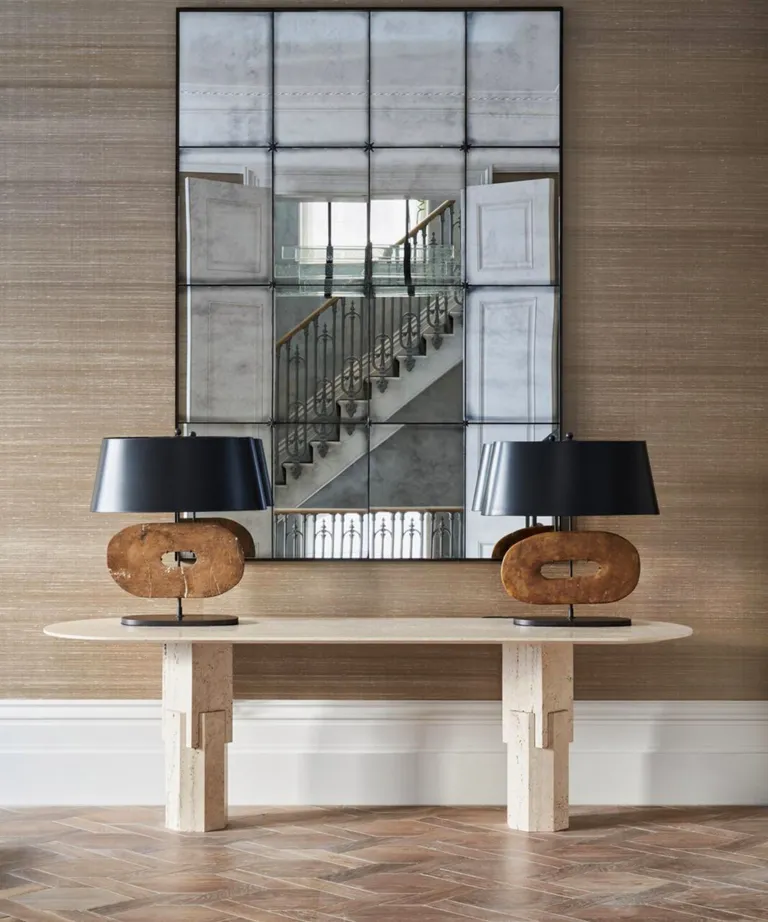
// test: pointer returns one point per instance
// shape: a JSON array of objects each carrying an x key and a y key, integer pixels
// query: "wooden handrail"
[
  {"x": 307, "y": 320},
  {"x": 435, "y": 213}
]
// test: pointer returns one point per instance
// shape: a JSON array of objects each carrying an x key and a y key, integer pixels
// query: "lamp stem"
[
  {"x": 565, "y": 523},
  {"x": 179, "y": 611}
]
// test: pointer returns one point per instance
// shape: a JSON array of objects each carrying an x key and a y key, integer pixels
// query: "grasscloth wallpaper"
[{"x": 666, "y": 337}]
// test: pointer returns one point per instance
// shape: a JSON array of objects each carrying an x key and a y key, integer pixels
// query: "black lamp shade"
[
  {"x": 567, "y": 478},
  {"x": 174, "y": 474}
]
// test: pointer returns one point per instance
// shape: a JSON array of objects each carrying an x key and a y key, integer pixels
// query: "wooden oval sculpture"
[
  {"x": 504, "y": 544},
  {"x": 618, "y": 568},
  {"x": 134, "y": 559},
  {"x": 239, "y": 531}
]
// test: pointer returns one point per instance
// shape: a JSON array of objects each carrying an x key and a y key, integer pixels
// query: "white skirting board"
[{"x": 386, "y": 753}]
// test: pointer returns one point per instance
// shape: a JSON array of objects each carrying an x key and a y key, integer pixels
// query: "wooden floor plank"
[{"x": 416, "y": 864}]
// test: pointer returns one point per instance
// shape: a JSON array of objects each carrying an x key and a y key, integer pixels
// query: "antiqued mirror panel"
[
  {"x": 421, "y": 190},
  {"x": 417, "y": 78},
  {"x": 225, "y": 216},
  {"x": 321, "y": 490},
  {"x": 417, "y": 491},
  {"x": 259, "y": 524},
  {"x": 320, "y": 218},
  {"x": 226, "y": 353},
  {"x": 513, "y": 78},
  {"x": 481, "y": 532},
  {"x": 368, "y": 263},
  {"x": 321, "y": 78},
  {"x": 225, "y": 77},
  {"x": 417, "y": 356},
  {"x": 511, "y": 355}
]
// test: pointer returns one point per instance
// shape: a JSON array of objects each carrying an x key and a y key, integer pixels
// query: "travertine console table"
[{"x": 537, "y": 698}]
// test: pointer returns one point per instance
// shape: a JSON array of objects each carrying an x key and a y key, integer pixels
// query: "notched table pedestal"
[
  {"x": 537, "y": 697},
  {"x": 197, "y": 725}
]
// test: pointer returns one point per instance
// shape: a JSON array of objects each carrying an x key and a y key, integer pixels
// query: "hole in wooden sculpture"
[
  {"x": 174, "y": 558},
  {"x": 561, "y": 569}
]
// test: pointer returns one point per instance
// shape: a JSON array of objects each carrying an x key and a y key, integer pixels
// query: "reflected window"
[{"x": 344, "y": 224}]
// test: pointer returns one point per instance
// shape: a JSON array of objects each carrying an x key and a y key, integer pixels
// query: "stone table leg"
[
  {"x": 537, "y": 700},
  {"x": 197, "y": 725}
]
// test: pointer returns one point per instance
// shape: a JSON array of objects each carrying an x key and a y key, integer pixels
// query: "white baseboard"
[{"x": 389, "y": 752}]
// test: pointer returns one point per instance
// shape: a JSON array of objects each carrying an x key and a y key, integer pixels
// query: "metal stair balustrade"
[
  {"x": 383, "y": 533},
  {"x": 319, "y": 363},
  {"x": 427, "y": 253},
  {"x": 326, "y": 366},
  {"x": 399, "y": 331}
]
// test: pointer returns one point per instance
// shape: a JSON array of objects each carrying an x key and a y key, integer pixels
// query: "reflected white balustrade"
[{"x": 379, "y": 534}]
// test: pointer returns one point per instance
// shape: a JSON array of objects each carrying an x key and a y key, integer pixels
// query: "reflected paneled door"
[
  {"x": 511, "y": 233},
  {"x": 229, "y": 353},
  {"x": 228, "y": 232},
  {"x": 511, "y": 355}
]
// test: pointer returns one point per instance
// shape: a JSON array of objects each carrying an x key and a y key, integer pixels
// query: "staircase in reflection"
[{"x": 345, "y": 377}]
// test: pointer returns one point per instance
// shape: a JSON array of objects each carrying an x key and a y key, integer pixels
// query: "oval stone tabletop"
[{"x": 368, "y": 630}]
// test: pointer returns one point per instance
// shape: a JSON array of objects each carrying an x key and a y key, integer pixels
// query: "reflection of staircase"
[{"x": 315, "y": 449}]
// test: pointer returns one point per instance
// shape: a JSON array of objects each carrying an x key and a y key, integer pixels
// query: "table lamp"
[
  {"x": 180, "y": 475},
  {"x": 565, "y": 479}
]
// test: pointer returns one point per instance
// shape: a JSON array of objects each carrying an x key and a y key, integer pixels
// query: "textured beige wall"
[{"x": 666, "y": 339}]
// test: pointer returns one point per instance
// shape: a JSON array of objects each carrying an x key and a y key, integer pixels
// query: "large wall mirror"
[{"x": 369, "y": 262}]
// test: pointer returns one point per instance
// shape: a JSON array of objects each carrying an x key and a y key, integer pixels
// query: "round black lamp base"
[
  {"x": 565, "y": 621},
  {"x": 172, "y": 621}
]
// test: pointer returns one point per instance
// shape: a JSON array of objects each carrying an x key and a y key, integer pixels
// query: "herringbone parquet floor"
[{"x": 384, "y": 865}]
